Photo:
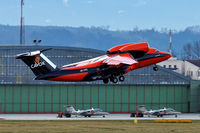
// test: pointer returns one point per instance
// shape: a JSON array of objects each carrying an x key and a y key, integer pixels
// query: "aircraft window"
[
  {"x": 98, "y": 110},
  {"x": 170, "y": 109},
  {"x": 70, "y": 66},
  {"x": 156, "y": 51},
  {"x": 99, "y": 58}
]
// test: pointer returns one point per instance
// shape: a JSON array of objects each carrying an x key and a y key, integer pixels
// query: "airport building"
[
  {"x": 19, "y": 93},
  {"x": 189, "y": 68}
]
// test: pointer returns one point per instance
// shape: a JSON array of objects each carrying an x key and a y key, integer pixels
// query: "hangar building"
[{"x": 19, "y": 93}]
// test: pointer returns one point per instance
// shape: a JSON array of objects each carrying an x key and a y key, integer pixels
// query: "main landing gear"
[
  {"x": 106, "y": 80},
  {"x": 155, "y": 68},
  {"x": 114, "y": 79}
]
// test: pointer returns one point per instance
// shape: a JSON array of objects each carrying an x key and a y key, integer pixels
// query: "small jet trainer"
[
  {"x": 159, "y": 112},
  {"x": 86, "y": 113},
  {"x": 118, "y": 61}
]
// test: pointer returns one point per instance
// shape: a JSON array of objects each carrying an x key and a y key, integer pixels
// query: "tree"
[
  {"x": 187, "y": 51},
  {"x": 196, "y": 49},
  {"x": 191, "y": 51}
]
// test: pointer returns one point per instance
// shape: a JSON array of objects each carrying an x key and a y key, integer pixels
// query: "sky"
[{"x": 112, "y": 14}]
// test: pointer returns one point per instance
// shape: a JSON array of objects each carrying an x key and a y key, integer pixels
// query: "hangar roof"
[{"x": 38, "y": 47}]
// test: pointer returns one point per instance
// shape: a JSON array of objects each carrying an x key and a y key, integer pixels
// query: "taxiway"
[{"x": 185, "y": 116}]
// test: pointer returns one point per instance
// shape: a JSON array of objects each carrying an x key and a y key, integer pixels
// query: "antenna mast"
[{"x": 22, "y": 40}]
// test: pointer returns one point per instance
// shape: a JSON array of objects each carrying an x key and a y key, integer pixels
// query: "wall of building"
[
  {"x": 183, "y": 67},
  {"x": 195, "y": 96},
  {"x": 111, "y": 98}
]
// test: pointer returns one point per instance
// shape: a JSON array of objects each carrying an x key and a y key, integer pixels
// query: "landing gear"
[
  {"x": 155, "y": 68},
  {"x": 121, "y": 78},
  {"x": 160, "y": 115},
  {"x": 105, "y": 80},
  {"x": 114, "y": 79},
  {"x": 67, "y": 115}
]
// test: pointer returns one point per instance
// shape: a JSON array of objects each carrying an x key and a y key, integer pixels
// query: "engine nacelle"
[
  {"x": 142, "y": 47},
  {"x": 115, "y": 49}
]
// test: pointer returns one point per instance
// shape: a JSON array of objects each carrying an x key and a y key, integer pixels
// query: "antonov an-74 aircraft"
[{"x": 118, "y": 61}]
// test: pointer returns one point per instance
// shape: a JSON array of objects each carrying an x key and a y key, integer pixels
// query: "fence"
[{"x": 111, "y": 98}]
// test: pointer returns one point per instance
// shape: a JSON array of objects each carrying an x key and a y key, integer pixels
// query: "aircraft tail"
[
  {"x": 70, "y": 109},
  {"x": 142, "y": 108},
  {"x": 37, "y": 62}
]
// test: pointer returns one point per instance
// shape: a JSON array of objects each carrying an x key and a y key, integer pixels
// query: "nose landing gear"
[
  {"x": 155, "y": 68},
  {"x": 121, "y": 78}
]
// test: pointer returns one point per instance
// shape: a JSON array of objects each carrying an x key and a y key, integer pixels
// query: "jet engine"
[{"x": 130, "y": 47}]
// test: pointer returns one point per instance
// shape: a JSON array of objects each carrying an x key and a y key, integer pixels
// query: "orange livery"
[{"x": 118, "y": 61}]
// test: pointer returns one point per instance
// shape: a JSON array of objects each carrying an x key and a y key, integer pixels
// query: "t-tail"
[
  {"x": 37, "y": 62},
  {"x": 70, "y": 109},
  {"x": 142, "y": 108}
]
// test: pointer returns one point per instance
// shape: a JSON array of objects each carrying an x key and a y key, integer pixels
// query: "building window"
[
  {"x": 175, "y": 66},
  {"x": 164, "y": 66},
  {"x": 170, "y": 66},
  {"x": 190, "y": 73}
]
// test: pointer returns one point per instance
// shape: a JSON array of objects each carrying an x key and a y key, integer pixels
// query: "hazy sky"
[{"x": 117, "y": 14}]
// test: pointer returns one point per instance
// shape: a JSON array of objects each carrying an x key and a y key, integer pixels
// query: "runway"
[{"x": 185, "y": 116}]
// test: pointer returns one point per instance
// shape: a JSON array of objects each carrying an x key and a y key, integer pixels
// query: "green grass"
[{"x": 98, "y": 126}]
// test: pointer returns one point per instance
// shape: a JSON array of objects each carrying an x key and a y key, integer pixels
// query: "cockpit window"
[{"x": 156, "y": 51}]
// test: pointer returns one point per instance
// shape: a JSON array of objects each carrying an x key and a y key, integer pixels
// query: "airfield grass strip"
[{"x": 96, "y": 126}]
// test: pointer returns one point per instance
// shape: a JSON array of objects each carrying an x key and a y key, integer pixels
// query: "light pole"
[
  {"x": 22, "y": 35},
  {"x": 36, "y": 42}
]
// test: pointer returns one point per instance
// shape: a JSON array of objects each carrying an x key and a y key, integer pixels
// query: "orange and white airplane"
[{"x": 118, "y": 61}]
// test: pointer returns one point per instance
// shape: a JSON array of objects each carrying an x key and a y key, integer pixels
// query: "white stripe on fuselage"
[
  {"x": 48, "y": 61},
  {"x": 86, "y": 62}
]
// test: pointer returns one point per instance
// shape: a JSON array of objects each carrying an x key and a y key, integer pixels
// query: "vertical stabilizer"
[{"x": 37, "y": 62}]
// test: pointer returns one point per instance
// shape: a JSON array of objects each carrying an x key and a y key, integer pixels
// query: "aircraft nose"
[{"x": 166, "y": 54}]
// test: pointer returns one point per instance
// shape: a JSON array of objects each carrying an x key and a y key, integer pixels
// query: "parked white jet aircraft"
[
  {"x": 86, "y": 113},
  {"x": 159, "y": 112}
]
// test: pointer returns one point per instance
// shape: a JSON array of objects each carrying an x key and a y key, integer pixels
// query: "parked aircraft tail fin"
[
  {"x": 70, "y": 109},
  {"x": 37, "y": 62},
  {"x": 142, "y": 108}
]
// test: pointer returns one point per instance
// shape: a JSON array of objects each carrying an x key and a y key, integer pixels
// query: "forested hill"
[{"x": 98, "y": 37}]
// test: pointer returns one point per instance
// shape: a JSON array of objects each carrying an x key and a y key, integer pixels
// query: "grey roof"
[
  {"x": 38, "y": 47},
  {"x": 147, "y": 76},
  {"x": 195, "y": 62}
]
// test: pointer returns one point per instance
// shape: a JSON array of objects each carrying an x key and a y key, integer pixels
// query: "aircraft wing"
[{"x": 118, "y": 59}]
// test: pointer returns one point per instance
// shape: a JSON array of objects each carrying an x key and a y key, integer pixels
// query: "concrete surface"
[{"x": 190, "y": 116}]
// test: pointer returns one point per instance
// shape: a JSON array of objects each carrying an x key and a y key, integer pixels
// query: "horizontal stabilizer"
[{"x": 33, "y": 53}]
